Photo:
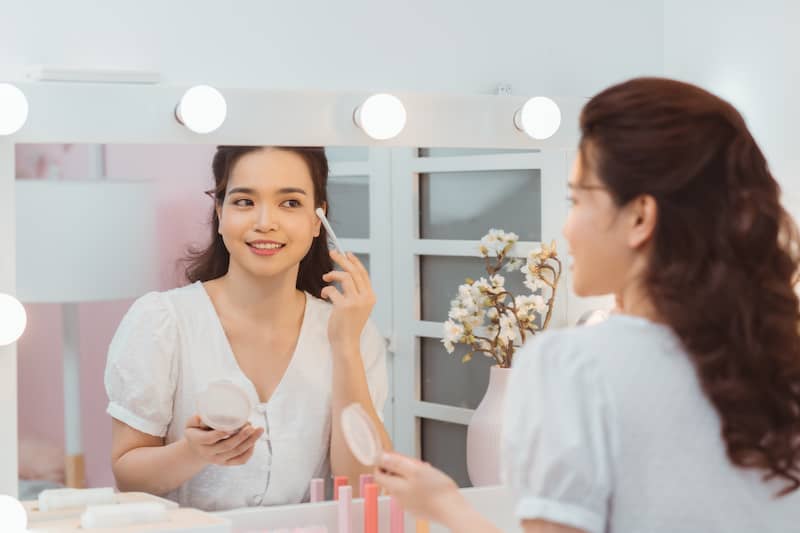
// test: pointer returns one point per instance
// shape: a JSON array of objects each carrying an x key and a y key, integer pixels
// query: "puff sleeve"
[
  {"x": 141, "y": 369},
  {"x": 559, "y": 435}
]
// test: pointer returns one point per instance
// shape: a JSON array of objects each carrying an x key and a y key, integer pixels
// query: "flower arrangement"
[{"x": 491, "y": 320}]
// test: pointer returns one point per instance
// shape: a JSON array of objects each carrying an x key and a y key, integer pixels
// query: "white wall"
[
  {"x": 572, "y": 47},
  {"x": 747, "y": 53}
]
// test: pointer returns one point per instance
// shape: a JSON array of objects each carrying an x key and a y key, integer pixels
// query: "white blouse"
[
  {"x": 608, "y": 430},
  {"x": 170, "y": 345}
]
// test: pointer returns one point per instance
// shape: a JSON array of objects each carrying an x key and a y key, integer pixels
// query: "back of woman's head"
[
  {"x": 212, "y": 261},
  {"x": 724, "y": 254}
]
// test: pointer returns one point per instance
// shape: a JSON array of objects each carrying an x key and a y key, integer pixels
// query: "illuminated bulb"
[
  {"x": 202, "y": 109},
  {"x": 13, "y": 109},
  {"x": 539, "y": 117},
  {"x": 381, "y": 116},
  {"x": 13, "y": 517},
  {"x": 12, "y": 319}
]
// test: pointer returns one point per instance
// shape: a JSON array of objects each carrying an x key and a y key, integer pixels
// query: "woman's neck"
[
  {"x": 634, "y": 300},
  {"x": 263, "y": 300}
]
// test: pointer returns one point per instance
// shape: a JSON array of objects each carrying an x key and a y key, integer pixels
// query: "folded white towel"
[
  {"x": 55, "y": 499},
  {"x": 123, "y": 514}
]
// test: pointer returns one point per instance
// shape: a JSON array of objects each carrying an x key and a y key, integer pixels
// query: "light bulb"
[
  {"x": 381, "y": 116},
  {"x": 13, "y": 109},
  {"x": 12, "y": 319},
  {"x": 13, "y": 517},
  {"x": 539, "y": 117},
  {"x": 202, "y": 109}
]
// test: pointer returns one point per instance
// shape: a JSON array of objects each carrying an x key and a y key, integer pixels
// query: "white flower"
[
  {"x": 474, "y": 320},
  {"x": 497, "y": 241},
  {"x": 514, "y": 264},
  {"x": 508, "y": 327},
  {"x": 498, "y": 283},
  {"x": 448, "y": 345},
  {"x": 491, "y": 314},
  {"x": 453, "y": 332},
  {"x": 538, "y": 255},
  {"x": 467, "y": 298},
  {"x": 458, "y": 313},
  {"x": 533, "y": 283},
  {"x": 539, "y": 303}
]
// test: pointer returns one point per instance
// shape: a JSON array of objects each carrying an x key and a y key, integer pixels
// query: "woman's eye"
[
  {"x": 292, "y": 203},
  {"x": 243, "y": 202}
]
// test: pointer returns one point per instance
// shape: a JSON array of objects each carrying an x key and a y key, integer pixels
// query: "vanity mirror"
[{"x": 412, "y": 207}]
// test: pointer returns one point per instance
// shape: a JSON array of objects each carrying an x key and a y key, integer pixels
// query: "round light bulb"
[
  {"x": 540, "y": 117},
  {"x": 12, "y": 319},
  {"x": 13, "y": 517},
  {"x": 13, "y": 109},
  {"x": 381, "y": 116},
  {"x": 202, "y": 109}
]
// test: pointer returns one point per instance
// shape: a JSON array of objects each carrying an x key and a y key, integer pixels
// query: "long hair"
[
  {"x": 211, "y": 262},
  {"x": 724, "y": 255}
]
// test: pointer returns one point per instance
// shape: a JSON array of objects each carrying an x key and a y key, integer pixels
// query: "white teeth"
[{"x": 266, "y": 246}]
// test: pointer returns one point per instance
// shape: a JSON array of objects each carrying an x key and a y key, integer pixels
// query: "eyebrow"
[{"x": 285, "y": 190}]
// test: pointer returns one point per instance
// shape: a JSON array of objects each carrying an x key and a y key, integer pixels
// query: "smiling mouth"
[{"x": 266, "y": 245}]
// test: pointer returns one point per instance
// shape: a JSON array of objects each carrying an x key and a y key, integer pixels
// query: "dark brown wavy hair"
[
  {"x": 724, "y": 255},
  {"x": 211, "y": 262}
]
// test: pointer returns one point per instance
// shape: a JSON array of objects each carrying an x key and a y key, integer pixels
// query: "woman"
[
  {"x": 682, "y": 411},
  {"x": 254, "y": 314}
]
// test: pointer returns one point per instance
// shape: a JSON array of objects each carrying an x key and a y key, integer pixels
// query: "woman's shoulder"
[
  {"x": 579, "y": 345},
  {"x": 165, "y": 306}
]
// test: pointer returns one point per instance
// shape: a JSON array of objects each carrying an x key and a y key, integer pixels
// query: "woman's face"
[
  {"x": 267, "y": 218},
  {"x": 607, "y": 243}
]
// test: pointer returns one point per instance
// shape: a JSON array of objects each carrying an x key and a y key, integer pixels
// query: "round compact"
[
  {"x": 224, "y": 406},
  {"x": 361, "y": 435}
]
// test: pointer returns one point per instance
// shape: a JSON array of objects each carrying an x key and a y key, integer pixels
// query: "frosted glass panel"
[
  {"x": 347, "y": 153},
  {"x": 348, "y": 197},
  {"x": 444, "y": 445},
  {"x": 445, "y": 152},
  {"x": 465, "y": 205},
  {"x": 440, "y": 277},
  {"x": 445, "y": 379}
]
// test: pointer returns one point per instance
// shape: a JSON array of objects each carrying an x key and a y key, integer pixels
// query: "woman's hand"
[
  {"x": 352, "y": 306},
  {"x": 219, "y": 447},
  {"x": 422, "y": 489}
]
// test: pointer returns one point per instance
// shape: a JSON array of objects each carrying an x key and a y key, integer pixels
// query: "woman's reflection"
[{"x": 256, "y": 314}]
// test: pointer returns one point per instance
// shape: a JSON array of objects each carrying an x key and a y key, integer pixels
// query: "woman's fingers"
[
  {"x": 396, "y": 464},
  {"x": 361, "y": 270},
  {"x": 394, "y": 485},
  {"x": 241, "y": 459},
  {"x": 243, "y": 447},
  {"x": 225, "y": 446},
  {"x": 350, "y": 264},
  {"x": 345, "y": 278},
  {"x": 332, "y": 293}
]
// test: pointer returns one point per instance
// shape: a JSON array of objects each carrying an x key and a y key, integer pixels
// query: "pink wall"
[{"x": 181, "y": 173}]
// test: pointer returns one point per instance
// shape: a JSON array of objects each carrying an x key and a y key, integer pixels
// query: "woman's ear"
[
  {"x": 317, "y": 221},
  {"x": 643, "y": 217},
  {"x": 218, "y": 209}
]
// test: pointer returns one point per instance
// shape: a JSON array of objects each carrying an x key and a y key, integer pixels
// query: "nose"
[{"x": 266, "y": 219}]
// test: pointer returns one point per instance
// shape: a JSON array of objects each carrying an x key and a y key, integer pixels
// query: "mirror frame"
[{"x": 76, "y": 112}]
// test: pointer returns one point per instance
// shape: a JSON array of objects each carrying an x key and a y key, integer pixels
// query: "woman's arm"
[
  {"x": 350, "y": 386},
  {"x": 351, "y": 310},
  {"x": 429, "y": 493},
  {"x": 143, "y": 463}
]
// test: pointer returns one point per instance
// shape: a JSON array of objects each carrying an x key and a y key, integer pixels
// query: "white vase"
[{"x": 484, "y": 431}]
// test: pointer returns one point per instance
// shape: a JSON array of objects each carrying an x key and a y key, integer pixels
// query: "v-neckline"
[{"x": 232, "y": 357}]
